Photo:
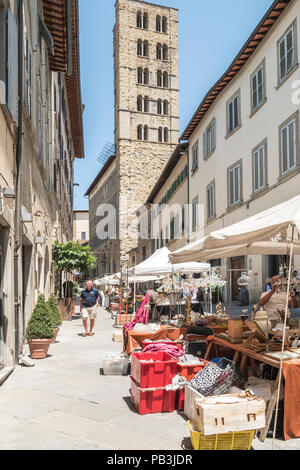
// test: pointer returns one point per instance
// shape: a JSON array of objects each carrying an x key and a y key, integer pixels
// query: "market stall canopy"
[
  {"x": 159, "y": 263},
  {"x": 266, "y": 233},
  {"x": 115, "y": 279}
]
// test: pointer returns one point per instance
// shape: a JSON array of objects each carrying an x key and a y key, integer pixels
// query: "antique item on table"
[
  {"x": 219, "y": 309},
  {"x": 262, "y": 319},
  {"x": 254, "y": 310},
  {"x": 286, "y": 355},
  {"x": 259, "y": 333},
  {"x": 243, "y": 283},
  {"x": 245, "y": 315},
  {"x": 188, "y": 321},
  {"x": 235, "y": 331}
]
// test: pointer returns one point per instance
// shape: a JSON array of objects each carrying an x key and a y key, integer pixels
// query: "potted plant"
[
  {"x": 67, "y": 258},
  {"x": 40, "y": 331},
  {"x": 56, "y": 315}
]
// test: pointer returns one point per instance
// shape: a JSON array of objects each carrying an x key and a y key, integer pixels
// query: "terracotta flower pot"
[
  {"x": 56, "y": 331},
  {"x": 39, "y": 348}
]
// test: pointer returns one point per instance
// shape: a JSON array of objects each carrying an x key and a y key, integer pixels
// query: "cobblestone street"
[{"x": 63, "y": 403}]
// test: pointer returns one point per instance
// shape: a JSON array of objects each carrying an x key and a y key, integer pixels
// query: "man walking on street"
[{"x": 89, "y": 303}]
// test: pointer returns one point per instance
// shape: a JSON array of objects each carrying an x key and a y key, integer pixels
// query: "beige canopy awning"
[{"x": 266, "y": 233}]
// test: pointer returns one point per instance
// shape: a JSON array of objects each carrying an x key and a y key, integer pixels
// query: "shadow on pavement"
[{"x": 130, "y": 404}]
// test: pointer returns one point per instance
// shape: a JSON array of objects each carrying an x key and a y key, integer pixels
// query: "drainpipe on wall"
[{"x": 18, "y": 178}]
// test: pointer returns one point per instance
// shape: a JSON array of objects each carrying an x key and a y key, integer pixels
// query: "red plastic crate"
[
  {"x": 189, "y": 372},
  {"x": 158, "y": 373},
  {"x": 152, "y": 402},
  {"x": 172, "y": 343}
]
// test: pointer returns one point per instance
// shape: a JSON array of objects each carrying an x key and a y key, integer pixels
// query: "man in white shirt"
[{"x": 275, "y": 300}]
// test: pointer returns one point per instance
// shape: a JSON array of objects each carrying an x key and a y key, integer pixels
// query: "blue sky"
[{"x": 210, "y": 35}]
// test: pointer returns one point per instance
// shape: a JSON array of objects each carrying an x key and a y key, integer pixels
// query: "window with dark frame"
[
  {"x": 259, "y": 168},
  {"x": 233, "y": 110},
  {"x": 195, "y": 218},
  {"x": 234, "y": 185},
  {"x": 288, "y": 145},
  {"x": 195, "y": 157},
  {"x": 258, "y": 88},
  {"x": 287, "y": 52},
  {"x": 209, "y": 139},
  {"x": 211, "y": 201}
]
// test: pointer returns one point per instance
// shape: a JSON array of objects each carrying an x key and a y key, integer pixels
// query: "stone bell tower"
[{"x": 146, "y": 105}]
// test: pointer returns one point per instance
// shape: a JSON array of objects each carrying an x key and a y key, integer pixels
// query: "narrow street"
[{"x": 63, "y": 403}]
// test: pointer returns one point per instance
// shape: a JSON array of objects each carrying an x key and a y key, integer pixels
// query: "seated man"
[{"x": 275, "y": 300}]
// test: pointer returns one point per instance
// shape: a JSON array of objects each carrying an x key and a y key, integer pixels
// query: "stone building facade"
[
  {"x": 146, "y": 106},
  {"x": 40, "y": 137},
  {"x": 102, "y": 193}
]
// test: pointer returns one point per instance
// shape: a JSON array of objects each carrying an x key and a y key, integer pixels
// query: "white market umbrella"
[{"x": 159, "y": 264}]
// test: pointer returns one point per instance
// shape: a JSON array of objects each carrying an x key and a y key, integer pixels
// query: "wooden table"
[
  {"x": 240, "y": 350},
  {"x": 135, "y": 340},
  {"x": 241, "y": 357}
]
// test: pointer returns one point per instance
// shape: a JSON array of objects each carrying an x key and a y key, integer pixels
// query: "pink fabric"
[
  {"x": 174, "y": 351},
  {"x": 141, "y": 316}
]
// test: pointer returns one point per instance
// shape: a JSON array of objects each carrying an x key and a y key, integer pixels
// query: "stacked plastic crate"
[{"x": 151, "y": 373}]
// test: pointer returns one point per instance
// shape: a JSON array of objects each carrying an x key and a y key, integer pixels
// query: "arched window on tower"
[
  {"x": 145, "y": 21},
  {"x": 146, "y": 77},
  {"x": 146, "y": 136},
  {"x": 159, "y": 78},
  {"x": 146, "y": 49},
  {"x": 166, "y": 107},
  {"x": 164, "y": 24},
  {"x": 140, "y": 103},
  {"x": 139, "y": 21},
  {"x": 146, "y": 104},
  {"x": 166, "y": 134},
  {"x": 158, "y": 51},
  {"x": 140, "y": 75},
  {"x": 140, "y": 132},
  {"x": 165, "y": 52},
  {"x": 158, "y": 23},
  {"x": 160, "y": 134},
  {"x": 165, "y": 80},
  {"x": 159, "y": 106},
  {"x": 140, "y": 47}
]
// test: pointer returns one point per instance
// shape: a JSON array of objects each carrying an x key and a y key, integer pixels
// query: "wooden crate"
[
  {"x": 123, "y": 320},
  {"x": 221, "y": 417},
  {"x": 189, "y": 401}
]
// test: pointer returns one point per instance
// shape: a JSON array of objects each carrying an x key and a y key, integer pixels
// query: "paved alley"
[{"x": 63, "y": 403}]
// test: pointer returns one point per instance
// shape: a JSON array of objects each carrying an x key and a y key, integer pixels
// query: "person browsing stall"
[
  {"x": 89, "y": 302},
  {"x": 275, "y": 301}
]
